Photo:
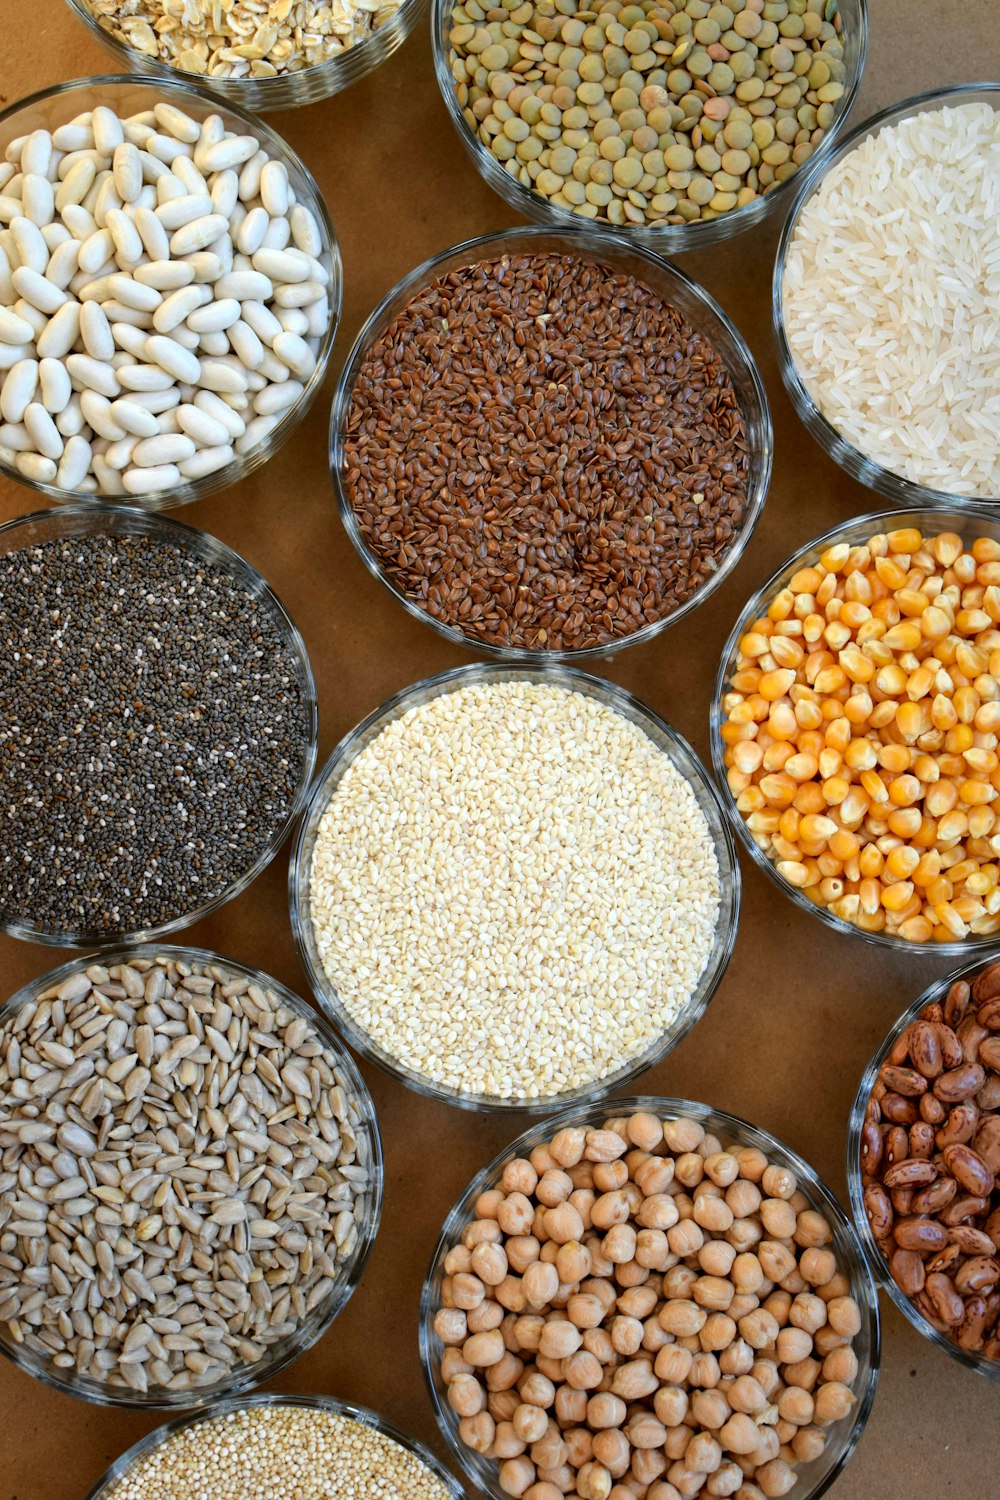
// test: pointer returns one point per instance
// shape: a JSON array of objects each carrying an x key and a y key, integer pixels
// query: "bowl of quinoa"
[{"x": 311, "y": 1447}]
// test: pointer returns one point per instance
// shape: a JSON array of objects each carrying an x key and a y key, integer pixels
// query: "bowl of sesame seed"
[
  {"x": 309, "y": 1447},
  {"x": 158, "y": 725},
  {"x": 514, "y": 888}
]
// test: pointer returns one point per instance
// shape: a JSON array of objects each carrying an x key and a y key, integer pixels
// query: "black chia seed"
[{"x": 153, "y": 733}]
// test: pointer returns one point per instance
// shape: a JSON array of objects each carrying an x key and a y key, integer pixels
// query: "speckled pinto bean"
[
  {"x": 934, "y": 1211},
  {"x": 696, "y": 1359}
]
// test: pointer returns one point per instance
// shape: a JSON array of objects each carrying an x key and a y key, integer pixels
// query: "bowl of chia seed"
[{"x": 158, "y": 725}]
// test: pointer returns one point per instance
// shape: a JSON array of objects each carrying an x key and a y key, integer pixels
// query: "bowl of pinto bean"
[{"x": 924, "y": 1165}]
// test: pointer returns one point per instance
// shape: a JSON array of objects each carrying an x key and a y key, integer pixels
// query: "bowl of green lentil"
[
  {"x": 679, "y": 123},
  {"x": 158, "y": 724},
  {"x": 537, "y": 928},
  {"x": 249, "y": 1150},
  {"x": 517, "y": 476},
  {"x": 256, "y": 1445}
]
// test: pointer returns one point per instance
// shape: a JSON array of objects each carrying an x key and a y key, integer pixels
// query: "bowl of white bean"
[{"x": 170, "y": 289}]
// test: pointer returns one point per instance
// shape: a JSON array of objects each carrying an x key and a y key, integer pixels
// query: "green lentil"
[{"x": 558, "y": 88}]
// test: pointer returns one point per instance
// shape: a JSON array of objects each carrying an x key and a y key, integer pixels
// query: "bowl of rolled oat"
[{"x": 262, "y": 54}]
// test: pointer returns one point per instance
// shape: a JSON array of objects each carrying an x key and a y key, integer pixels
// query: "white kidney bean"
[
  {"x": 295, "y": 353},
  {"x": 14, "y": 435},
  {"x": 215, "y": 316},
  {"x": 55, "y": 385},
  {"x": 127, "y": 172},
  {"x": 128, "y": 244},
  {"x": 18, "y": 389},
  {"x": 305, "y": 230},
  {"x": 135, "y": 419},
  {"x": 60, "y": 333},
  {"x": 150, "y": 481},
  {"x": 207, "y": 461},
  {"x": 97, "y": 411},
  {"x": 70, "y": 420},
  {"x": 37, "y": 153},
  {"x": 29, "y": 242},
  {"x": 13, "y": 329},
  {"x": 95, "y": 252},
  {"x": 36, "y": 467},
  {"x": 247, "y": 346},
  {"x": 64, "y": 262},
  {"x": 95, "y": 331},
  {"x": 107, "y": 128},
  {"x": 186, "y": 208},
  {"x": 75, "y": 463},
  {"x": 38, "y": 197},
  {"x": 214, "y": 406},
  {"x": 93, "y": 374},
  {"x": 173, "y": 357},
  {"x": 162, "y": 299},
  {"x": 45, "y": 435},
  {"x": 165, "y": 275}
]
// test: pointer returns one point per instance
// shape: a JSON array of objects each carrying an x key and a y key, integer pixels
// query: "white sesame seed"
[{"x": 513, "y": 890}]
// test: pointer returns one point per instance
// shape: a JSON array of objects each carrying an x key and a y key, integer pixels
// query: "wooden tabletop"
[{"x": 800, "y": 1010}]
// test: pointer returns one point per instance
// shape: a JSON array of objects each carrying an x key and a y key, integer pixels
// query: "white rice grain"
[{"x": 892, "y": 298}]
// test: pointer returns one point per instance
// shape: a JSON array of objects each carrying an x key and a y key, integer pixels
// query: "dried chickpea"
[
  {"x": 646, "y": 1326},
  {"x": 612, "y": 1449},
  {"x": 833, "y": 1401},
  {"x": 478, "y": 1432}
]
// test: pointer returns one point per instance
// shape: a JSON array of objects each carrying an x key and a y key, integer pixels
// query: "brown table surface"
[{"x": 801, "y": 1008}]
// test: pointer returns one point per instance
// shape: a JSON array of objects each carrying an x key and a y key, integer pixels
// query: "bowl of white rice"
[{"x": 886, "y": 297}]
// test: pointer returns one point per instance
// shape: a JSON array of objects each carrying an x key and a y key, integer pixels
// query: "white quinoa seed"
[
  {"x": 280, "y": 1453},
  {"x": 513, "y": 890}
]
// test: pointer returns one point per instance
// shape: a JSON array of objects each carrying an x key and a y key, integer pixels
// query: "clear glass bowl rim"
[
  {"x": 684, "y": 759},
  {"x": 588, "y": 245},
  {"x": 313, "y": 1327},
  {"x": 868, "y": 471},
  {"x": 856, "y": 530},
  {"x": 284, "y": 90},
  {"x": 731, "y": 1128},
  {"x": 669, "y": 239},
  {"x": 118, "y": 1471},
  {"x": 936, "y": 990},
  {"x": 85, "y": 520},
  {"x": 245, "y": 463}
]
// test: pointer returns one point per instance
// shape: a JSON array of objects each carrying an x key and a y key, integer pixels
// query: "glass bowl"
[
  {"x": 285, "y": 90},
  {"x": 668, "y": 239},
  {"x": 55, "y": 106},
  {"x": 854, "y": 533},
  {"x": 120, "y": 520},
  {"x": 318, "y": 1321},
  {"x": 665, "y": 738},
  {"x": 690, "y": 299},
  {"x": 858, "y": 464},
  {"x": 123, "y": 1467},
  {"x": 970, "y": 1359},
  {"x": 817, "y": 1476}
]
